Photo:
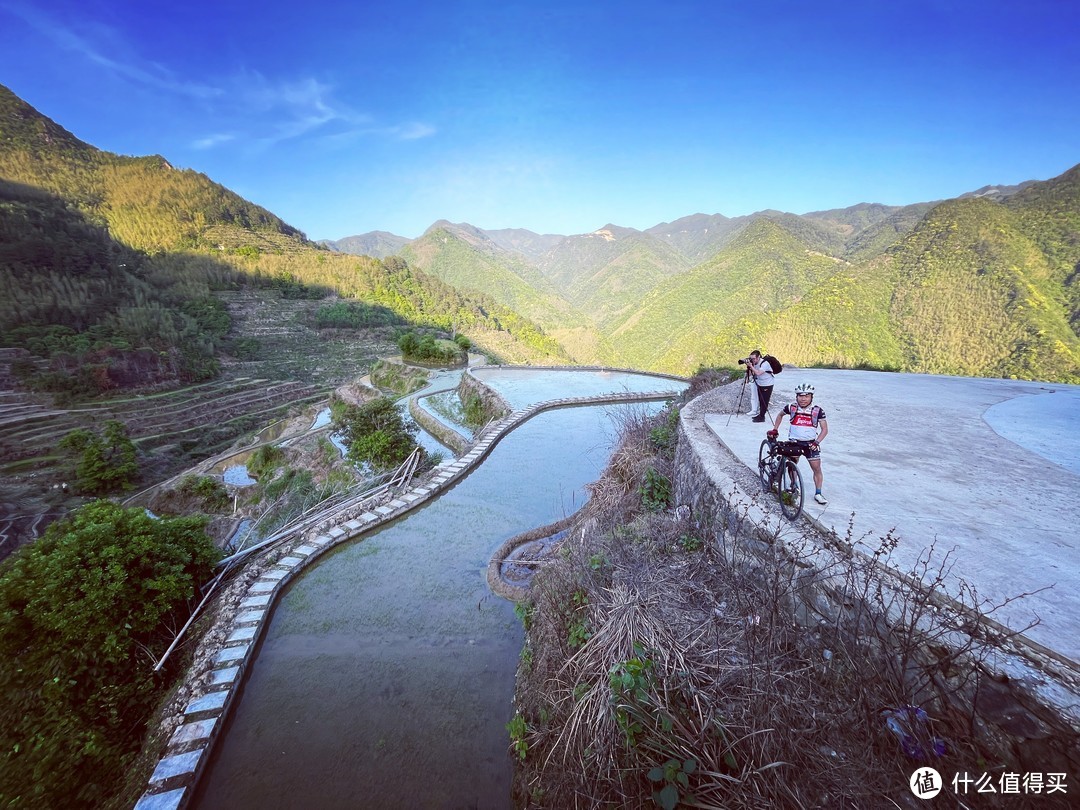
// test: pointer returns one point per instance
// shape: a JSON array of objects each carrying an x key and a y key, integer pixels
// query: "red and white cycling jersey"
[{"x": 803, "y": 424}]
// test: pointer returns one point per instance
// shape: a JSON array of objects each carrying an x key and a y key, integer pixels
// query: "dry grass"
[{"x": 655, "y": 641}]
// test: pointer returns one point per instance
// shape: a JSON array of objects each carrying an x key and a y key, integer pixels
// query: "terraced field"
[
  {"x": 293, "y": 365},
  {"x": 172, "y": 431}
]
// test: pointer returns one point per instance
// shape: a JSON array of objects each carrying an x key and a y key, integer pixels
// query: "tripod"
[{"x": 742, "y": 392}]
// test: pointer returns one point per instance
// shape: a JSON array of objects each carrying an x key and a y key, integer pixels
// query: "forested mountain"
[
  {"x": 110, "y": 267},
  {"x": 469, "y": 259},
  {"x": 986, "y": 284},
  {"x": 765, "y": 268}
]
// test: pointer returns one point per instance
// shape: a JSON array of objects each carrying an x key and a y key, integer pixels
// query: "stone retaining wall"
[
  {"x": 447, "y": 435},
  {"x": 507, "y": 590},
  {"x": 1024, "y": 699},
  {"x": 492, "y": 402}
]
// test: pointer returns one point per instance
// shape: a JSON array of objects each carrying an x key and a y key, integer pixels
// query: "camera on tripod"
[{"x": 743, "y": 361}]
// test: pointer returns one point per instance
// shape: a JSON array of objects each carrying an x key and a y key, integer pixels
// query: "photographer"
[{"x": 763, "y": 378}]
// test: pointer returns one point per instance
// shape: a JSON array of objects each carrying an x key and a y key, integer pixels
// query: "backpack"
[
  {"x": 815, "y": 412},
  {"x": 777, "y": 366}
]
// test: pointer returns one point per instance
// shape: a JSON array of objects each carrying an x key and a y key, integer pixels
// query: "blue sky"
[{"x": 560, "y": 117}]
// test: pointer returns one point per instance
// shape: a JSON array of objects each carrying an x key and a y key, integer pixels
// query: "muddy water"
[{"x": 387, "y": 671}]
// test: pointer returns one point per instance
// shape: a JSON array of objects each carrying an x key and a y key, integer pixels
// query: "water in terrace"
[
  {"x": 387, "y": 671},
  {"x": 521, "y": 386}
]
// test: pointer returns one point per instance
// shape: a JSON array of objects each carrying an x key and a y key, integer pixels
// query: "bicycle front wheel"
[
  {"x": 791, "y": 490},
  {"x": 764, "y": 468}
]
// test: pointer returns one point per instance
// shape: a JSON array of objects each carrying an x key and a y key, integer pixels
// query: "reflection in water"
[
  {"x": 523, "y": 387},
  {"x": 237, "y": 475},
  {"x": 387, "y": 672},
  {"x": 322, "y": 419}
]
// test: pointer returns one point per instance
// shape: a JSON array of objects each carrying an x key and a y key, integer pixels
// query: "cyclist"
[{"x": 807, "y": 428}]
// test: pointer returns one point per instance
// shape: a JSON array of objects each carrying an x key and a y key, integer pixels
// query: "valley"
[{"x": 150, "y": 298}]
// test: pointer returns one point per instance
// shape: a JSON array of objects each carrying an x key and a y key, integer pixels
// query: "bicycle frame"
[{"x": 781, "y": 472}]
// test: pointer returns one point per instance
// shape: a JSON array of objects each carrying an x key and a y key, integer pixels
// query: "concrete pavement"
[{"x": 989, "y": 469}]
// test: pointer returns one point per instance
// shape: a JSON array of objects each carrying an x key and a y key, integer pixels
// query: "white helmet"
[{"x": 804, "y": 388}]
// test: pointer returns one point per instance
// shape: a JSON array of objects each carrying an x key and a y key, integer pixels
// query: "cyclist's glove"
[
  {"x": 814, "y": 447},
  {"x": 772, "y": 434}
]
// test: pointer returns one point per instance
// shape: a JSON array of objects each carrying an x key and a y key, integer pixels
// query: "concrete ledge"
[{"x": 1023, "y": 692}]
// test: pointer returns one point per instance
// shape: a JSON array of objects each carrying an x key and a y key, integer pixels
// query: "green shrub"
[
  {"x": 664, "y": 434},
  {"x": 265, "y": 460},
  {"x": 84, "y": 613},
  {"x": 426, "y": 348},
  {"x": 376, "y": 433},
  {"x": 655, "y": 491},
  {"x": 209, "y": 490},
  {"x": 518, "y": 729},
  {"x": 102, "y": 464}
]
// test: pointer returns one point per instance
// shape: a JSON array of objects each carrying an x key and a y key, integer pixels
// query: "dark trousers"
[{"x": 764, "y": 394}]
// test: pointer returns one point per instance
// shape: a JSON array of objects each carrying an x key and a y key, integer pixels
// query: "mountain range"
[{"x": 984, "y": 284}]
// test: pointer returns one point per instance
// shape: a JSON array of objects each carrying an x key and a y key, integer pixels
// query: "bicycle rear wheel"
[
  {"x": 791, "y": 489},
  {"x": 764, "y": 467}
]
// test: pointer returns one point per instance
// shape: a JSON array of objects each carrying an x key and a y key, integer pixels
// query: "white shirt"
[{"x": 766, "y": 375}]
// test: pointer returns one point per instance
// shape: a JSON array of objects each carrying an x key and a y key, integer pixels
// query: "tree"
[
  {"x": 408, "y": 344},
  {"x": 84, "y": 613},
  {"x": 102, "y": 463},
  {"x": 376, "y": 433}
]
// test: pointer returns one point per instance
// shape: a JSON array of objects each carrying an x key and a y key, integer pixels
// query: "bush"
[
  {"x": 376, "y": 433},
  {"x": 655, "y": 491},
  {"x": 427, "y": 349},
  {"x": 84, "y": 614},
  {"x": 102, "y": 464},
  {"x": 209, "y": 490},
  {"x": 265, "y": 460}
]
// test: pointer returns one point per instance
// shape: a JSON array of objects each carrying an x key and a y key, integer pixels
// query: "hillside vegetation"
[
  {"x": 984, "y": 285},
  {"x": 123, "y": 253},
  {"x": 133, "y": 290}
]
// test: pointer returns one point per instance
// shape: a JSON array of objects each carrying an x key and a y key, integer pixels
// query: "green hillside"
[
  {"x": 966, "y": 292},
  {"x": 469, "y": 261},
  {"x": 878, "y": 236},
  {"x": 612, "y": 290},
  {"x": 1049, "y": 215},
  {"x": 108, "y": 260},
  {"x": 975, "y": 295},
  {"x": 764, "y": 269}
]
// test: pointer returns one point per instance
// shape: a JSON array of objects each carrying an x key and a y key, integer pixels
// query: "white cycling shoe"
[{"x": 819, "y": 498}]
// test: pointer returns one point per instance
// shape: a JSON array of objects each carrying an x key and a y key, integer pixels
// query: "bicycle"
[{"x": 778, "y": 470}]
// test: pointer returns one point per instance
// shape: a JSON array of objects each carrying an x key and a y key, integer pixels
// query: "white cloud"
[
  {"x": 150, "y": 75},
  {"x": 246, "y": 109},
  {"x": 210, "y": 141},
  {"x": 414, "y": 131}
]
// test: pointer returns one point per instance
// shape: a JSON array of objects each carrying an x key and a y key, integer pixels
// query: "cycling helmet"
[{"x": 804, "y": 388}]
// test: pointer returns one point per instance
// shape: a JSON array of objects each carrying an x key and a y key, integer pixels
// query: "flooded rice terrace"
[{"x": 386, "y": 675}]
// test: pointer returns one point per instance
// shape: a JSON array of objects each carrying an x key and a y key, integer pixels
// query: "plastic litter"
[{"x": 910, "y": 724}]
